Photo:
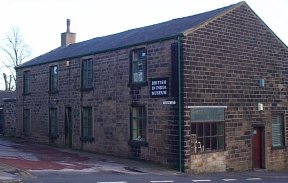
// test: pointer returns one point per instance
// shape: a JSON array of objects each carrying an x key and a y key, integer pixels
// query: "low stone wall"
[{"x": 208, "y": 162}]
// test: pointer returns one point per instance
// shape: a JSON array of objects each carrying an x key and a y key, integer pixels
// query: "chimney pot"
[
  {"x": 68, "y": 25},
  {"x": 67, "y": 37}
]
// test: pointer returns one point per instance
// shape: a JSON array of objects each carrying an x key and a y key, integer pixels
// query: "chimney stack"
[{"x": 67, "y": 37}]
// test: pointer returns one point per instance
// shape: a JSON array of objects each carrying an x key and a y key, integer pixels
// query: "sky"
[{"x": 42, "y": 21}]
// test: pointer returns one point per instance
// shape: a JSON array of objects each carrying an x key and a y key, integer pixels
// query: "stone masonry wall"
[
  {"x": 111, "y": 99},
  {"x": 208, "y": 162},
  {"x": 9, "y": 112},
  {"x": 223, "y": 63}
]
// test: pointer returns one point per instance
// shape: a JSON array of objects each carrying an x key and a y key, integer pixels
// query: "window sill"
[
  {"x": 86, "y": 89},
  {"x": 53, "y": 92},
  {"x": 87, "y": 139},
  {"x": 278, "y": 147},
  {"x": 138, "y": 143},
  {"x": 206, "y": 152},
  {"x": 53, "y": 136},
  {"x": 138, "y": 84},
  {"x": 26, "y": 94}
]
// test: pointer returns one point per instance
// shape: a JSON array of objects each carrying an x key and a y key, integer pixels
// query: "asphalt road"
[
  {"x": 110, "y": 177},
  {"x": 44, "y": 164}
]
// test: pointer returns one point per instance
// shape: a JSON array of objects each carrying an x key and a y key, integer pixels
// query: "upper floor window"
[
  {"x": 277, "y": 130},
  {"x": 87, "y": 74},
  {"x": 138, "y": 66},
  {"x": 26, "y": 82},
  {"x": 53, "y": 82}
]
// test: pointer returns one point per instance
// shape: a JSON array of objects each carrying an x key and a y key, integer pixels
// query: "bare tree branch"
[{"x": 15, "y": 52}]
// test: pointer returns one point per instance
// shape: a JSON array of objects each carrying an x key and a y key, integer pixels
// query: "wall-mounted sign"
[
  {"x": 159, "y": 87},
  {"x": 169, "y": 102},
  {"x": 207, "y": 114}
]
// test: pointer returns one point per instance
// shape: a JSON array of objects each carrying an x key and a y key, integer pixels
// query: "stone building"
[
  {"x": 7, "y": 113},
  {"x": 201, "y": 93}
]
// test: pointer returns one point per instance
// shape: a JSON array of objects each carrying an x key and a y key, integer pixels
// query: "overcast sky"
[{"x": 41, "y": 21}]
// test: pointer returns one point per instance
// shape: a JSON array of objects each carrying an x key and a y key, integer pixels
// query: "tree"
[{"x": 15, "y": 52}]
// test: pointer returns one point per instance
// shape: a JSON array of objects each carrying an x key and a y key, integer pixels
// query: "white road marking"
[
  {"x": 161, "y": 181},
  {"x": 113, "y": 182},
  {"x": 253, "y": 179},
  {"x": 201, "y": 180},
  {"x": 229, "y": 180}
]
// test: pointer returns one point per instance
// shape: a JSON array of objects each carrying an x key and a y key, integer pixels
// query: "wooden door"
[{"x": 257, "y": 144}]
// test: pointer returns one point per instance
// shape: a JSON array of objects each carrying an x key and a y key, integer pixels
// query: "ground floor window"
[
  {"x": 53, "y": 121},
  {"x": 26, "y": 122},
  {"x": 86, "y": 127},
  {"x": 207, "y": 136},
  {"x": 277, "y": 130},
  {"x": 138, "y": 123}
]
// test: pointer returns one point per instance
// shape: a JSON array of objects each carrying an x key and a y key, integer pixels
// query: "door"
[
  {"x": 68, "y": 127},
  {"x": 258, "y": 149},
  {"x": 1, "y": 121}
]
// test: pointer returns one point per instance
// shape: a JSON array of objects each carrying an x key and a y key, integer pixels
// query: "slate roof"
[
  {"x": 6, "y": 95},
  {"x": 156, "y": 32}
]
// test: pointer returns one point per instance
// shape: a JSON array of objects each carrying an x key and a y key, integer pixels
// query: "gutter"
[
  {"x": 27, "y": 65},
  {"x": 179, "y": 103}
]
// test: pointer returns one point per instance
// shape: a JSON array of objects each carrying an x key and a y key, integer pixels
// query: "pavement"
[{"x": 19, "y": 159}]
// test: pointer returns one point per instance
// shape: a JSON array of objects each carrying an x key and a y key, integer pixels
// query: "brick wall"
[
  {"x": 110, "y": 99},
  {"x": 223, "y": 62},
  {"x": 9, "y": 112}
]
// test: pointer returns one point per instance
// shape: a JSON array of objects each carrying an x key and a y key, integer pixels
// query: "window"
[
  {"x": 53, "y": 121},
  {"x": 138, "y": 66},
  {"x": 207, "y": 128},
  {"x": 53, "y": 82},
  {"x": 26, "y": 122},
  {"x": 26, "y": 82},
  {"x": 87, "y": 74},
  {"x": 87, "y": 122},
  {"x": 277, "y": 130},
  {"x": 138, "y": 123},
  {"x": 207, "y": 136}
]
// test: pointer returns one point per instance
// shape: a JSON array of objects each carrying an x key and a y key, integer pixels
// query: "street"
[{"x": 35, "y": 163}]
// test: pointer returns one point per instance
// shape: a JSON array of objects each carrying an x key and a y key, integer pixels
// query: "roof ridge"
[{"x": 127, "y": 38}]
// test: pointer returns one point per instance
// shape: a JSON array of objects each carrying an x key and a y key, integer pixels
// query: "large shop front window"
[
  {"x": 207, "y": 136},
  {"x": 207, "y": 129}
]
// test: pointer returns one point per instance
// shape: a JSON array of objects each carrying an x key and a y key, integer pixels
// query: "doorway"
[
  {"x": 258, "y": 154},
  {"x": 68, "y": 127}
]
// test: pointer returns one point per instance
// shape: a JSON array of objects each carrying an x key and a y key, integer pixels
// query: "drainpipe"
[{"x": 179, "y": 103}]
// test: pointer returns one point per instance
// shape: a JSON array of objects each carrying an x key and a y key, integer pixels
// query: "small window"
[
  {"x": 26, "y": 122},
  {"x": 53, "y": 82},
  {"x": 138, "y": 123},
  {"x": 87, "y": 126},
  {"x": 277, "y": 130},
  {"x": 26, "y": 82},
  {"x": 207, "y": 136},
  {"x": 138, "y": 66},
  {"x": 87, "y": 74},
  {"x": 53, "y": 121}
]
